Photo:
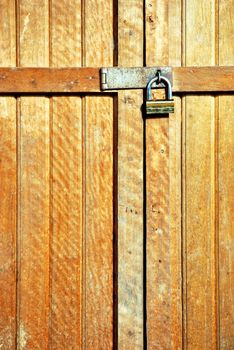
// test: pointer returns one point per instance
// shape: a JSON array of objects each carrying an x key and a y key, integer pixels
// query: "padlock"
[{"x": 159, "y": 106}]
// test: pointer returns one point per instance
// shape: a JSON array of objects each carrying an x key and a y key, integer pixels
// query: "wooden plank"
[
  {"x": 98, "y": 182},
  {"x": 8, "y": 186},
  {"x": 226, "y": 220},
  {"x": 199, "y": 79},
  {"x": 199, "y": 240},
  {"x": 74, "y": 80},
  {"x": 33, "y": 291},
  {"x": 226, "y": 183},
  {"x": 8, "y": 176},
  {"x": 163, "y": 244},
  {"x": 51, "y": 80},
  {"x": 199, "y": 229},
  {"x": 8, "y": 37},
  {"x": 130, "y": 183},
  {"x": 99, "y": 224},
  {"x": 175, "y": 59},
  {"x": 33, "y": 159},
  {"x": 66, "y": 211},
  {"x": 158, "y": 235},
  {"x": 66, "y": 185}
]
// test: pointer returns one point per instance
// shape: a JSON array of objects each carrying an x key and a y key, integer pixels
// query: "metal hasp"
[{"x": 117, "y": 78}]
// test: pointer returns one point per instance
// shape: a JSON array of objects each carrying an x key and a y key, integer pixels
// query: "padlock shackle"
[{"x": 166, "y": 83}]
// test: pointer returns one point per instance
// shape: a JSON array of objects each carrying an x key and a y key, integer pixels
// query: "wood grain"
[
  {"x": 66, "y": 212},
  {"x": 203, "y": 79},
  {"x": 75, "y": 80},
  {"x": 66, "y": 185},
  {"x": 63, "y": 147},
  {"x": 8, "y": 34},
  {"x": 66, "y": 191},
  {"x": 226, "y": 183},
  {"x": 50, "y": 80},
  {"x": 226, "y": 220},
  {"x": 99, "y": 224},
  {"x": 8, "y": 177},
  {"x": 130, "y": 183},
  {"x": 33, "y": 160},
  {"x": 175, "y": 200},
  {"x": 98, "y": 178},
  {"x": 158, "y": 235},
  {"x": 200, "y": 225},
  {"x": 199, "y": 229},
  {"x": 8, "y": 187},
  {"x": 163, "y": 244}
]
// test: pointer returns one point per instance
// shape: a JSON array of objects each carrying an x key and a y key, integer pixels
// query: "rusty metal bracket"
[{"x": 117, "y": 78}]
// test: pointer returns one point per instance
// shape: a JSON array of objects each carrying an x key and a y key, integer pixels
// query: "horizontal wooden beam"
[
  {"x": 85, "y": 80},
  {"x": 203, "y": 79},
  {"x": 49, "y": 80}
]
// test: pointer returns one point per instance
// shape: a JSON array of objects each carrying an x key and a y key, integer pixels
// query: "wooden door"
[{"x": 115, "y": 231}]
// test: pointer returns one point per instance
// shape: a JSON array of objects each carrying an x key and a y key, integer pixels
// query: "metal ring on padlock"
[
  {"x": 158, "y": 75},
  {"x": 166, "y": 83}
]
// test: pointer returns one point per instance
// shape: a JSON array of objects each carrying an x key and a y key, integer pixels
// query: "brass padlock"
[{"x": 159, "y": 106}]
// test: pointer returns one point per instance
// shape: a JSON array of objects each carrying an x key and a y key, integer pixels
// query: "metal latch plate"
[{"x": 117, "y": 78}]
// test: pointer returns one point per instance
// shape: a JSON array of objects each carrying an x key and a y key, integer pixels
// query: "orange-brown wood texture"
[
  {"x": 88, "y": 79},
  {"x": 115, "y": 231},
  {"x": 8, "y": 189},
  {"x": 163, "y": 231},
  {"x": 207, "y": 192},
  {"x": 65, "y": 185},
  {"x": 33, "y": 184},
  {"x": 130, "y": 183},
  {"x": 225, "y": 183},
  {"x": 98, "y": 168},
  {"x": 58, "y": 152},
  {"x": 199, "y": 177}
]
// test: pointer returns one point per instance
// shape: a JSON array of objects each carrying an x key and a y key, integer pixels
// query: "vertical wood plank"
[
  {"x": 226, "y": 183},
  {"x": 199, "y": 253},
  {"x": 158, "y": 236},
  {"x": 226, "y": 220},
  {"x": 33, "y": 243},
  {"x": 200, "y": 228},
  {"x": 98, "y": 143},
  {"x": 66, "y": 254},
  {"x": 34, "y": 224},
  {"x": 99, "y": 224},
  {"x": 66, "y": 187},
  {"x": 7, "y": 222},
  {"x": 8, "y": 186},
  {"x": 163, "y": 188},
  {"x": 8, "y": 37},
  {"x": 130, "y": 183}
]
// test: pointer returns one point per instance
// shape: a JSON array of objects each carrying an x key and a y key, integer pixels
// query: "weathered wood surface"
[
  {"x": 66, "y": 183},
  {"x": 98, "y": 184},
  {"x": 163, "y": 242},
  {"x": 33, "y": 181},
  {"x": 75, "y": 80},
  {"x": 130, "y": 183},
  {"x": 59, "y": 151},
  {"x": 8, "y": 188},
  {"x": 57, "y": 179},
  {"x": 199, "y": 186},
  {"x": 225, "y": 183},
  {"x": 39, "y": 80},
  {"x": 203, "y": 79}
]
